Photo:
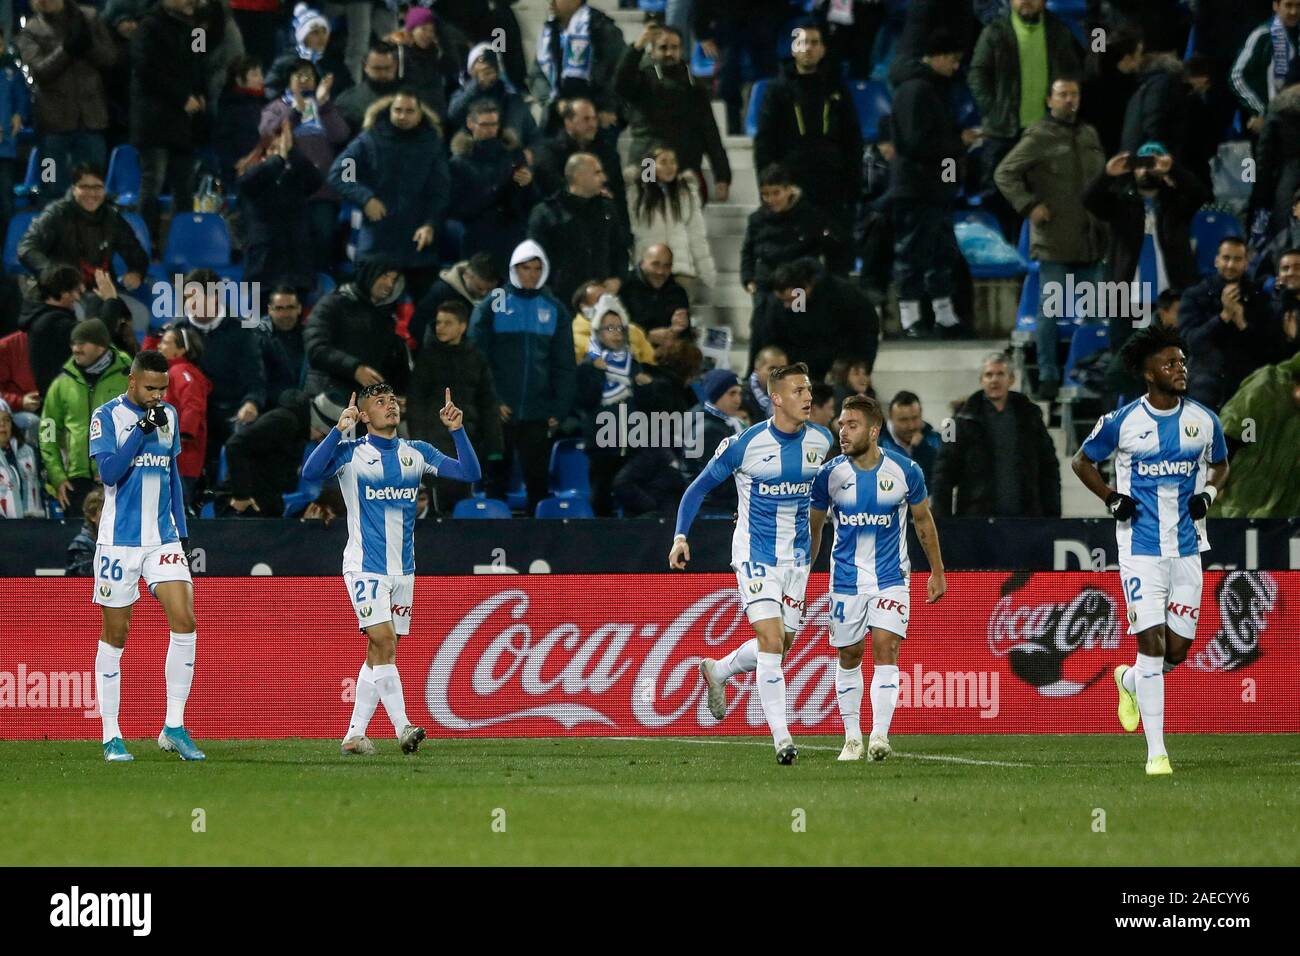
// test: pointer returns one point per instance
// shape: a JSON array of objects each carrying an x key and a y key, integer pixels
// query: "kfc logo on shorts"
[
  {"x": 171, "y": 557},
  {"x": 791, "y": 602},
  {"x": 889, "y": 604},
  {"x": 1184, "y": 610},
  {"x": 401, "y": 610}
]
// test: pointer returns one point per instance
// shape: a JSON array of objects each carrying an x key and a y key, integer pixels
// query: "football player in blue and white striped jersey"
[
  {"x": 135, "y": 439},
  {"x": 1171, "y": 462},
  {"x": 868, "y": 491},
  {"x": 380, "y": 477},
  {"x": 773, "y": 464}
]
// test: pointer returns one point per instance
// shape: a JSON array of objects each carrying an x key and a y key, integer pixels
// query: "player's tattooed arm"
[{"x": 928, "y": 535}]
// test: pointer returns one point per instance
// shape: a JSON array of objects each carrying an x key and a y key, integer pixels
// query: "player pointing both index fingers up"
[{"x": 379, "y": 477}]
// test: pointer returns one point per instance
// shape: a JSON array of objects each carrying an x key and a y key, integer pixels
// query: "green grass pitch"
[{"x": 983, "y": 800}]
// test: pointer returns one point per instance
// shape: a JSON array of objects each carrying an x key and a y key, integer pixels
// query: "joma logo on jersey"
[
  {"x": 151, "y": 461},
  {"x": 785, "y": 488},
  {"x": 392, "y": 494},
  {"x": 1185, "y": 610},
  {"x": 889, "y": 604},
  {"x": 1162, "y": 469},
  {"x": 861, "y": 520}
]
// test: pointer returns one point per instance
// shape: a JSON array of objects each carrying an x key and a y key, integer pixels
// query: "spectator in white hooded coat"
[{"x": 664, "y": 208}]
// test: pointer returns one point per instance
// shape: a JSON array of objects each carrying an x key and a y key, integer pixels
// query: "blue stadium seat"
[
  {"x": 29, "y": 189},
  {"x": 195, "y": 240},
  {"x": 701, "y": 65},
  {"x": 652, "y": 6},
  {"x": 296, "y": 501},
  {"x": 967, "y": 113},
  {"x": 1209, "y": 228},
  {"x": 17, "y": 227},
  {"x": 987, "y": 253},
  {"x": 984, "y": 218},
  {"x": 569, "y": 468},
  {"x": 564, "y": 507},
  {"x": 756, "y": 94},
  {"x": 137, "y": 224},
  {"x": 123, "y": 180},
  {"x": 223, "y": 467},
  {"x": 871, "y": 100},
  {"x": 1088, "y": 338},
  {"x": 516, "y": 492},
  {"x": 481, "y": 508}
]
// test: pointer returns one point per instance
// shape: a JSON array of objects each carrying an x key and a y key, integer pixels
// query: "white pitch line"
[{"x": 941, "y": 758}]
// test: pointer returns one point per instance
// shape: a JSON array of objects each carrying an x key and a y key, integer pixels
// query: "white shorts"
[
  {"x": 1162, "y": 591},
  {"x": 853, "y": 615},
  {"x": 769, "y": 591},
  {"x": 118, "y": 569},
  {"x": 377, "y": 598}
]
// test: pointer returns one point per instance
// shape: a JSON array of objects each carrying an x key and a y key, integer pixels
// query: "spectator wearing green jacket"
[
  {"x": 95, "y": 373},
  {"x": 1262, "y": 426}
]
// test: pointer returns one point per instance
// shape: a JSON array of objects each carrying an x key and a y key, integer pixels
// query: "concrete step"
[
  {"x": 727, "y": 219},
  {"x": 726, "y": 252}
]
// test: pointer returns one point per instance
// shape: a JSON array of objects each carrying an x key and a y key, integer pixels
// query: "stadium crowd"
[{"x": 426, "y": 197}]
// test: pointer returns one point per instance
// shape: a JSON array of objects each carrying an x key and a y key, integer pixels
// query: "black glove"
[
  {"x": 185, "y": 550},
  {"x": 1121, "y": 507},
  {"x": 1198, "y": 506},
  {"x": 155, "y": 417}
]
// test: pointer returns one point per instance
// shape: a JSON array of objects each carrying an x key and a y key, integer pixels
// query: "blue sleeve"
[
  {"x": 1219, "y": 447},
  {"x": 328, "y": 457},
  {"x": 114, "y": 465},
  {"x": 178, "y": 487},
  {"x": 916, "y": 492},
  {"x": 725, "y": 461},
  {"x": 1100, "y": 445},
  {"x": 103, "y": 433},
  {"x": 821, "y": 492},
  {"x": 464, "y": 467}
]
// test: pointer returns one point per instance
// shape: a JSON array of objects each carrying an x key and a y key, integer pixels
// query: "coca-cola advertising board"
[{"x": 554, "y": 655}]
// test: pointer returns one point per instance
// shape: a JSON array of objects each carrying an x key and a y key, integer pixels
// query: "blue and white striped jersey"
[
  {"x": 869, "y": 511},
  {"x": 380, "y": 482},
  {"x": 140, "y": 510},
  {"x": 773, "y": 472},
  {"x": 1160, "y": 460}
]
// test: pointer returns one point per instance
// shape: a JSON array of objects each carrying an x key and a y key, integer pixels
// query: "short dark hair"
[
  {"x": 1144, "y": 343},
  {"x": 482, "y": 105},
  {"x": 567, "y": 107},
  {"x": 775, "y": 174},
  {"x": 483, "y": 265},
  {"x": 1293, "y": 251},
  {"x": 409, "y": 92},
  {"x": 370, "y": 391},
  {"x": 904, "y": 397},
  {"x": 1064, "y": 78},
  {"x": 794, "y": 275},
  {"x": 239, "y": 68},
  {"x": 1124, "y": 40},
  {"x": 1169, "y": 296},
  {"x": 1231, "y": 241},
  {"x": 82, "y": 170},
  {"x": 283, "y": 288},
  {"x": 785, "y": 371},
  {"x": 202, "y": 275},
  {"x": 299, "y": 65},
  {"x": 668, "y": 28},
  {"x": 58, "y": 279},
  {"x": 456, "y": 308},
  {"x": 868, "y": 406},
  {"x": 822, "y": 393},
  {"x": 148, "y": 360},
  {"x": 382, "y": 47}
]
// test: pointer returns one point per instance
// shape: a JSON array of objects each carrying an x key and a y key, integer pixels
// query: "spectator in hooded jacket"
[
  {"x": 1262, "y": 482},
  {"x": 319, "y": 132},
  {"x": 428, "y": 58},
  {"x": 668, "y": 108},
  {"x": 584, "y": 306},
  {"x": 928, "y": 147},
  {"x": 786, "y": 226},
  {"x": 492, "y": 189},
  {"x": 664, "y": 208},
  {"x": 235, "y": 131},
  {"x": 467, "y": 281},
  {"x": 352, "y": 338},
  {"x": 529, "y": 344},
  {"x": 314, "y": 42},
  {"x": 1277, "y": 169},
  {"x": 266, "y": 457},
  {"x": 85, "y": 231},
  {"x": 581, "y": 230},
  {"x": 20, "y": 480},
  {"x": 1160, "y": 109},
  {"x": 288, "y": 229},
  {"x": 651, "y": 293},
  {"x": 577, "y": 53},
  {"x": 449, "y": 360},
  {"x": 395, "y": 171},
  {"x": 187, "y": 392},
  {"x": 67, "y": 48},
  {"x": 484, "y": 80},
  {"x": 808, "y": 124}
]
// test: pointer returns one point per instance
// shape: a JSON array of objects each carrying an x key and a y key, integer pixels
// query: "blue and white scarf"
[
  {"x": 737, "y": 426},
  {"x": 1283, "y": 54},
  {"x": 574, "y": 48},
  {"x": 310, "y": 122},
  {"x": 760, "y": 394},
  {"x": 618, "y": 371}
]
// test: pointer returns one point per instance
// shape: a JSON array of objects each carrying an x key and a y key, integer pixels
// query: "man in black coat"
[
  {"x": 167, "y": 105},
  {"x": 581, "y": 231},
  {"x": 1226, "y": 321},
  {"x": 1160, "y": 108},
  {"x": 265, "y": 456},
  {"x": 787, "y": 226},
  {"x": 1119, "y": 197},
  {"x": 352, "y": 338},
  {"x": 467, "y": 281},
  {"x": 449, "y": 360},
  {"x": 815, "y": 317},
  {"x": 651, "y": 293},
  {"x": 808, "y": 124},
  {"x": 581, "y": 134},
  {"x": 283, "y": 352},
  {"x": 49, "y": 320},
  {"x": 928, "y": 152},
  {"x": 1003, "y": 462},
  {"x": 273, "y": 195}
]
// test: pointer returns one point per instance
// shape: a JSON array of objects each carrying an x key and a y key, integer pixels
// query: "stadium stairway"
[{"x": 939, "y": 372}]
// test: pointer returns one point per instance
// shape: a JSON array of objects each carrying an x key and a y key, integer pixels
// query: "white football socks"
[
  {"x": 108, "y": 687},
  {"x": 364, "y": 704},
  {"x": 909, "y": 313},
  {"x": 389, "y": 686},
  {"x": 943, "y": 313},
  {"x": 1129, "y": 680},
  {"x": 740, "y": 661},
  {"x": 884, "y": 696},
  {"x": 1151, "y": 701},
  {"x": 848, "y": 694},
  {"x": 771, "y": 691},
  {"x": 180, "y": 675}
]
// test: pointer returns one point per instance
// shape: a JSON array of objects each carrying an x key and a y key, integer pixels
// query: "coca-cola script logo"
[
  {"x": 493, "y": 668},
  {"x": 1246, "y": 599},
  {"x": 1037, "y": 639}
]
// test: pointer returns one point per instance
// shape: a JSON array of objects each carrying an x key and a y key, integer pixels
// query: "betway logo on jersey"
[
  {"x": 153, "y": 461},
  {"x": 392, "y": 494},
  {"x": 861, "y": 519},
  {"x": 785, "y": 488},
  {"x": 1161, "y": 469}
]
